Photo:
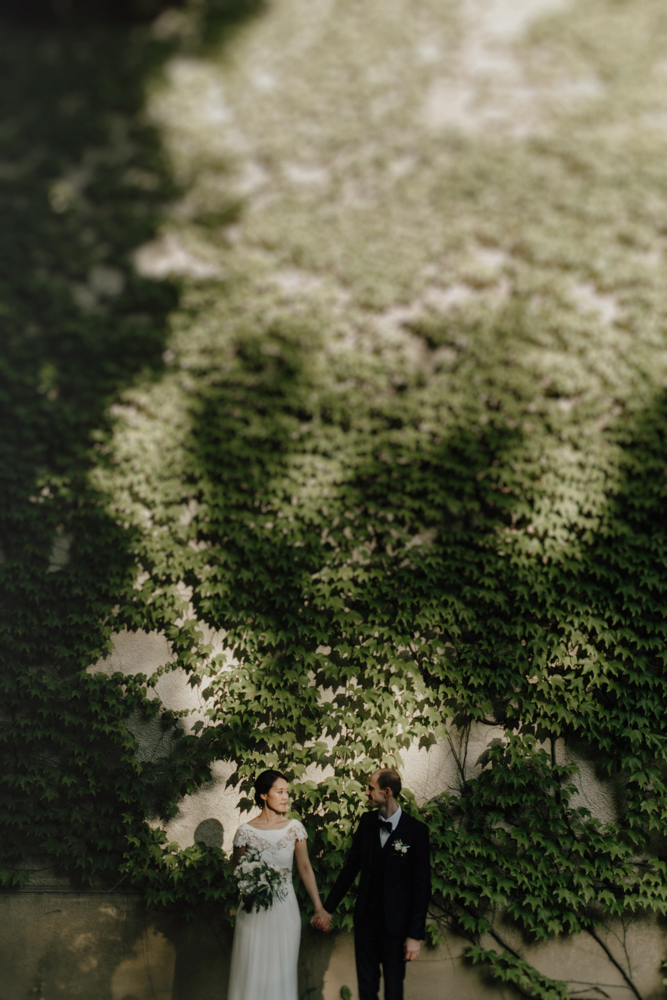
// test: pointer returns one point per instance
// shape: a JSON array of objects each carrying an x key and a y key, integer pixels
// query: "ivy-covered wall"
[{"x": 333, "y": 359}]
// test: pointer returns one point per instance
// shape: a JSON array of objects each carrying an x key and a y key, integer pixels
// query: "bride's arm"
[
  {"x": 308, "y": 876},
  {"x": 236, "y": 857}
]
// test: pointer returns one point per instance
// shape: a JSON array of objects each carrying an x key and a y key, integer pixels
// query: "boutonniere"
[{"x": 399, "y": 846}]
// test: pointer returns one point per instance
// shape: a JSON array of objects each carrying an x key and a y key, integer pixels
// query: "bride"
[{"x": 266, "y": 942}]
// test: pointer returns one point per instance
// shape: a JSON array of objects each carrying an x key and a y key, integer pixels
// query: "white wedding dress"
[{"x": 266, "y": 942}]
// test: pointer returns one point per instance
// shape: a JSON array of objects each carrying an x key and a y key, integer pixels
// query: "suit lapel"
[
  {"x": 401, "y": 825},
  {"x": 373, "y": 833}
]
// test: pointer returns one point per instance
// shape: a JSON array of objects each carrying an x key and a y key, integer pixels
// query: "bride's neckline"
[{"x": 269, "y": 829}]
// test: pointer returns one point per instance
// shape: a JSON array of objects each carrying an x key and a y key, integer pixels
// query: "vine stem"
[
  {"x": 616, "y": 963},
  {"x": 516, "y": 955},
  {"x": 503, "y": 944}
]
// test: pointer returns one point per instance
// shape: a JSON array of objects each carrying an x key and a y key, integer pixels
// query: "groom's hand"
[
  {"x": 411, "y": 949},
  {"x": 322, "y": 920}
]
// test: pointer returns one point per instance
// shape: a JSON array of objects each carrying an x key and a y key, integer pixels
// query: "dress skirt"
[{"x": 265, "y": 952}]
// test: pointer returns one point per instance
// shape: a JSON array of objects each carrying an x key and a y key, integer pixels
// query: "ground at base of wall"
[{"x": 98, "y": 946}]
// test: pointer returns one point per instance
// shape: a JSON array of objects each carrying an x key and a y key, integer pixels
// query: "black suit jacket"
[{"x": 407, "y": 875}]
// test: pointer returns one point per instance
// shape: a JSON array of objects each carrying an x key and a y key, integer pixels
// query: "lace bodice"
[{"x": 277, "y": 846}]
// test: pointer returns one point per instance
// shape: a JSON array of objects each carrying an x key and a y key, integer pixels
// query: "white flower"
[
  {"x": 259, "y": 883},
  {"x": 401, "y": 847}
]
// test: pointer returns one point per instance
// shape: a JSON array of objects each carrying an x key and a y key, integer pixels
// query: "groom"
[{"x": 390, "y": 850}]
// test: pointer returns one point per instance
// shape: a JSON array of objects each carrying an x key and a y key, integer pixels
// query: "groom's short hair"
[{"x": 388, "y": 778}]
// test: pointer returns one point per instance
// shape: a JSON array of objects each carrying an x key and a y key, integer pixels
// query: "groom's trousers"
[{"x": 375, "y": 947}]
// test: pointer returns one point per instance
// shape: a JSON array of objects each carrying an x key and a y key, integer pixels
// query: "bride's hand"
[{"x": 321, "y": 920}]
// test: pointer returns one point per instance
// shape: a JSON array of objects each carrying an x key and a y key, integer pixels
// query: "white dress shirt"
[{"x": 384, "y": 832}]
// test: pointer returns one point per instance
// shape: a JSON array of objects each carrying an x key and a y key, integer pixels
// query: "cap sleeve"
[
  {"x": 241, "y": 836},
  {"x": 300, "y": 830}
]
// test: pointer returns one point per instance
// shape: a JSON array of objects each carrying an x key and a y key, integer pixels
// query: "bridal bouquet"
[{"x": 259, "y": 883}]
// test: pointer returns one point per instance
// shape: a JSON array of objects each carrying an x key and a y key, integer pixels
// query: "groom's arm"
[
  {"x": 348, "y": 872},
  {"x": 421, "y": 887}
]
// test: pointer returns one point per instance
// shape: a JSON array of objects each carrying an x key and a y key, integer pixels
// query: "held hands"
[
  {"x": 321, "y": 920},
  {"x": 411, "y": 950}
]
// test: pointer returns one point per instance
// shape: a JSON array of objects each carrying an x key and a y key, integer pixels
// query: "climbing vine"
[{"x": 399, "y": 533}]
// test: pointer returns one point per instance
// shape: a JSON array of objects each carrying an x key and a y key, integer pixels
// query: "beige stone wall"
[
  {"x": 100, "y": 946},
  {"x": 425, "y": 773}
]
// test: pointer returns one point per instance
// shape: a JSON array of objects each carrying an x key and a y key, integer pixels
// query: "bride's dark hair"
[{"x": 264, "y": 782}]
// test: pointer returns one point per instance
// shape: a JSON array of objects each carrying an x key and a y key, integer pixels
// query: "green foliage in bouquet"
[{"x": 259, "y": 883}]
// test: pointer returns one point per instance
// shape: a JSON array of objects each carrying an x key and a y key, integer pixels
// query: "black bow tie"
[{"x": 386, "y": 825}]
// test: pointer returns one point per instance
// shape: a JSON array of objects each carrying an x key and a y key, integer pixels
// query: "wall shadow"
[
  {"x": 65, "y": 13},
  {"x": 84, "y": 182},
  {"x": 407, "y": 527},
  {"x": 419, "y": 528},
  {"x": 413, "y": 538}
]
